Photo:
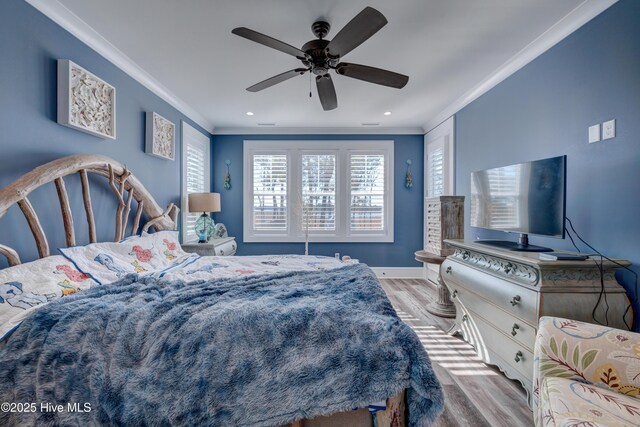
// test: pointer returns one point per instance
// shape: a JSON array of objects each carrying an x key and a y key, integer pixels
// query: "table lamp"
[{"x": 204, "y": 202}]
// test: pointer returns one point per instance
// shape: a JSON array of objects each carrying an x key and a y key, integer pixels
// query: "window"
[
  {"x": 438, "y": 161},
  {"x": 338, "y": 191},
  {"x": 196, "y": 177},
  {"x": 367, "y": 192},
  {"x": 438, "y": 174},
  {"x": 270, "y": 192},
  {"x": 319, "y": 192},
  {"x": 435, "y": 170}
]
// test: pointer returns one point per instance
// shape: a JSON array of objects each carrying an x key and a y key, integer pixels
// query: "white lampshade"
[{"x": 204, "y": 202}]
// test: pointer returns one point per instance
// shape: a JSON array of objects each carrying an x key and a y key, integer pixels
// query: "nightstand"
[{"x": 225, "y": 246}]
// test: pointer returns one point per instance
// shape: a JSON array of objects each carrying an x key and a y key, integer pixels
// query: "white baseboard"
[{"x": 398, "y": 272}]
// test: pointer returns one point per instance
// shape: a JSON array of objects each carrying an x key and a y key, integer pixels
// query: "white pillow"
[
  {"x": 26, "y": 287},
  {"x": 107, "y": 262}
]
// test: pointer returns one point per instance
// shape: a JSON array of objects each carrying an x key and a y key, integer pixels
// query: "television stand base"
[{"x": 514, "y": 246}]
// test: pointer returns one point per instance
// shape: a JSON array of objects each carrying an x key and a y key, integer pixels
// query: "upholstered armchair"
[{"x": 585, "y": 375}]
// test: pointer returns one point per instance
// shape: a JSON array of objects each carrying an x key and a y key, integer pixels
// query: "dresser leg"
[
  {"x": 454, "y": 331},
  {"x": 443, "y": 306}
]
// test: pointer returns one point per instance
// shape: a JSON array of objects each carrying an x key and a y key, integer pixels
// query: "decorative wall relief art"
[
  {"x": 85, "y": 102},
  {"x": 160, "y": 137}
]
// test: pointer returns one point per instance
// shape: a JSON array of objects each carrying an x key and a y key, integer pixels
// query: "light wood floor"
[{"x": 476, "y": 394}]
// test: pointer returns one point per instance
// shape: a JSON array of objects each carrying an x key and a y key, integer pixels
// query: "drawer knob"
[
  {"x": 465, "y": 318},
  {"x": 518, "y": 356},
  {"x": 454, "y": 294},
  {"x": 515, "y": 300},
  {"x": 448, "y": 270},
  {"x": 514, "y": 330}
]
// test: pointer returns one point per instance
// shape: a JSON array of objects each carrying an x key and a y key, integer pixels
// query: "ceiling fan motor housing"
[{"x": 317, "y": 58}]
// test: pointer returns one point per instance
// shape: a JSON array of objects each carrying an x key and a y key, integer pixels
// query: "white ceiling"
[{"x": 446, "y": 47}]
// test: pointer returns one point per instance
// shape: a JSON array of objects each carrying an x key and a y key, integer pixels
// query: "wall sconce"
[{"x": 227, "y": 177}]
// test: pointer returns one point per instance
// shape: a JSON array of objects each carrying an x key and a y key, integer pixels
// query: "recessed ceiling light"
[
  {"x": 387, "y": 113},
  {"x": 249, "y": 113}
]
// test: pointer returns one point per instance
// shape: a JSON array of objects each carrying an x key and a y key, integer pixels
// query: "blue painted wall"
[
  {"x": 544, "y": 110},
  {"x": 407, "y": 204},
  {"x": 30, "y": 44}
]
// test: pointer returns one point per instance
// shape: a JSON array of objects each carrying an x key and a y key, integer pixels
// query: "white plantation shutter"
[
  {"x": 319, "y": 191},
  {"x": 270, "y": 176},
  {"x": 367, "y": 201},
  {"x": 341, "y": 190},
  {"x": 439, "y": 154},
  {"x": 435, "y": 172},
  {"x": 196, "y": 175}
]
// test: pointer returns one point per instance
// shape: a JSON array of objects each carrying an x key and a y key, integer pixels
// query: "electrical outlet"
[
  {"x": 609, "y": 129},
  {"x": 594, "y": 133}
]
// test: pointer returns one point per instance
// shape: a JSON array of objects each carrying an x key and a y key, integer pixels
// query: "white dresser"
[{"x": 500, "y": 295}]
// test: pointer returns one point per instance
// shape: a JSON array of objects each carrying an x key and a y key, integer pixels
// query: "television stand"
[
  {"x": 499, "y": 296},
  {"x": 521, "y": 245}
]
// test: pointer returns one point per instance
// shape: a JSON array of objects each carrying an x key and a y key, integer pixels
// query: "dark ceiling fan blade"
[
  {"x": 276, "y": 79},
  {"x": 326, "y": 92},
  {"x": 268, "y": 41},
  {"x": 372, "y": 75},
  {"x": 357, "y": 31}
]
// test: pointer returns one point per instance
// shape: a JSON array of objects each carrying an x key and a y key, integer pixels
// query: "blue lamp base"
[{"x": 204, "y": 228}]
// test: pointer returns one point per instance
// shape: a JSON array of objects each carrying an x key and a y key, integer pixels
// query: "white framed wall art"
[
  {"x": 85, "y": 101},
  {"x": 160, "y": 136}
]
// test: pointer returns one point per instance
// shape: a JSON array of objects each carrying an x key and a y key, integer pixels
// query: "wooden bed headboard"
[{"x": 121, "y": 181}]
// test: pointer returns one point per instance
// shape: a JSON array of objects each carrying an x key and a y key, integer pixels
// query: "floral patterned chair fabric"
[{"x": 585, "y": 375}]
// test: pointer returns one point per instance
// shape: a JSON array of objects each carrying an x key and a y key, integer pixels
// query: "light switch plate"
[
  {"x": 609, "y": 129},
  {"x": 594, "y": 133}
]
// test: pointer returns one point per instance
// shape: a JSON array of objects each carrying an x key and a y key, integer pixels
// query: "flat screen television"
[{"x": 526, "y": 198}]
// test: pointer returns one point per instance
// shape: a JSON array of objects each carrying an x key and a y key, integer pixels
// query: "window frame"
[
  {"x": 192, "y": 136},
  {"x": 296, "y": 149}
]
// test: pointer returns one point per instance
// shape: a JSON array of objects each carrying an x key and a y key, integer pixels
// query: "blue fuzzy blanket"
[{"x": 257, "y": 351}]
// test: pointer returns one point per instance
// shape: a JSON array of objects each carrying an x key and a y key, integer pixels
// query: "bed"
[{"x": 138, "y": 332}]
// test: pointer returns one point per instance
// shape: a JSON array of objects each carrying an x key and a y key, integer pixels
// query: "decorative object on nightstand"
[
  {"x": 223, "y": 246},
  {"x": 204, "y": 202},
  {"x": 444, "y": 218},
  {"x": 220, "y": 231}
]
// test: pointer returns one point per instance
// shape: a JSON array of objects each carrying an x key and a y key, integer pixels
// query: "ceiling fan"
[{"x": 320, "y": 55}]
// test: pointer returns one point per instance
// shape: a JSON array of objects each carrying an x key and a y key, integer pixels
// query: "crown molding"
[
  {"x": 62, "y": 16},
  {"x": 575, "y": 19},
  {"x": 274, "y": 130}
]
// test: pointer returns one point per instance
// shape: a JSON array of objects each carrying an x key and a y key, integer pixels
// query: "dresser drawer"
[
  {"x": 497, "y": 349},
  {"x": 513, "y": 353},
  {"x": 506, "y": 323},
  {"x": 508, "y": 296}
]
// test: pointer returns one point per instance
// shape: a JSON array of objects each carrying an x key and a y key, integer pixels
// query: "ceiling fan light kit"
[{"x": 319, "y": 56}]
